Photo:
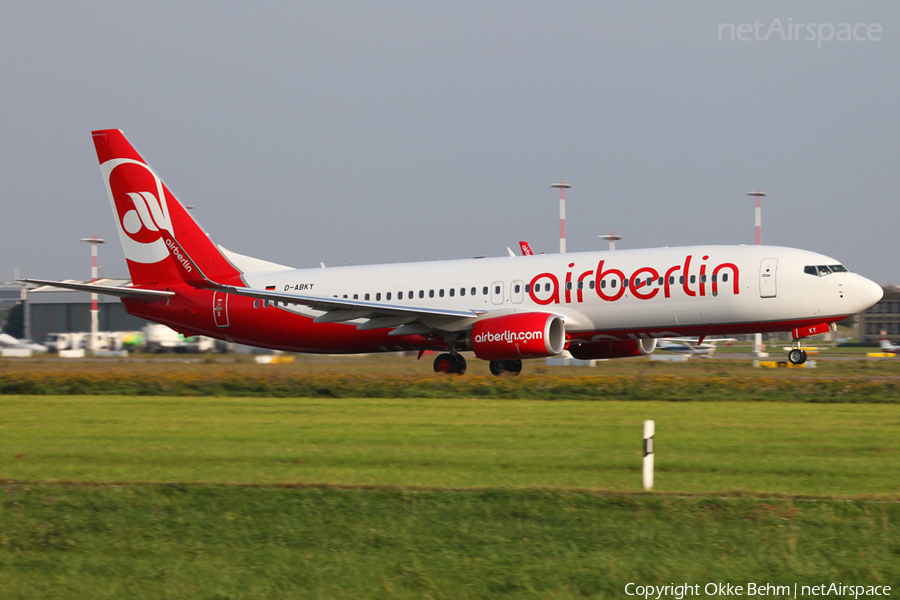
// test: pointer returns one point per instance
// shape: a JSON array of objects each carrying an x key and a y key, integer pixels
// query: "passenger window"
[
  {"x": 421, "y": 293},
  {"x": 452, "y": 292},
  {"x": 725, "y": 277},
  {"x": 592, "y": 284},
  {"x": 580, "y": 285},
  {"x": 388, "y": 296},
  {"x": 613, "y": 283},
  {"x": 603, "y": 285},
  {"x": 703, "y": 279},
  {"x": 256, "y": 304},
  {"x": 367, "y": 296},
  {"x": 496, "y": 289},
  {"x": 660, "y": 282},
  {"x": 518, "y": 288},
  {"x": 568, "y": 286},
  {"x": 356, "y": 296},
  {"x": 462, "y": 291},
  {"x": 431, "y": 293},
  {"x": 378, "y": 297},
  {"x": 484, "y": 291},
  {"x": 671, "y": 280},
  {"x": 441, "y": 292},
  {"x": 693, "y": 279},
  {"x": 410, "y": 296},
  {"x": 473, "y": 290},
  {"x": 624, "y": 283},
  {"x": 681, "y": 279}
]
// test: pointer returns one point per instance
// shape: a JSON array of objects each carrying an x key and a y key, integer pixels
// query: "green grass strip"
[
  {"x": 846, "y": 450},
  {"x": 213, "y": 542}
]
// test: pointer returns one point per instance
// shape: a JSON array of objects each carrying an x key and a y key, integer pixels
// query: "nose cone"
[{"x": 865, "y": 293}]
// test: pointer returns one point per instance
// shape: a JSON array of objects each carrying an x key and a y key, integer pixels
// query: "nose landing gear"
[{"x": 797, "y": 355}]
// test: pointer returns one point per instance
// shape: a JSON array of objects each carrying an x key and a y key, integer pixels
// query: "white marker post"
[{"x": 649, "y": 432}]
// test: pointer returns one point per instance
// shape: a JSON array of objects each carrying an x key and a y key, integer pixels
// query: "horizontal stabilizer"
[{"x": 106, "y": 290}]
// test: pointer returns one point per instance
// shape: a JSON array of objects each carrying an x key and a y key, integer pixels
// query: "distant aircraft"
[
  {"x": 526, "y": 249},
  {"x": 8, "y": 341},
  {"x": 593, "y": 304},
  {"x": 692, "y": 346},
  {"x": 888, "y": 347}
]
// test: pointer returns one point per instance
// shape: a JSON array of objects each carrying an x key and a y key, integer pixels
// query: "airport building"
[
  {"x": 55, "y": 310},
  {"x": 10, "y": 294},
  {"x": 882, "y": 317}
]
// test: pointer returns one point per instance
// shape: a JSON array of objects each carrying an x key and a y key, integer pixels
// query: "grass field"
[
  {"x": 211, "y": 542},
  {"x": 209, "y": 497},
  {"x": 796, "y": 449}
]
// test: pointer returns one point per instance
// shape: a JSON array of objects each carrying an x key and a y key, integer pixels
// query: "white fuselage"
[{"x": 668, "y": 290}]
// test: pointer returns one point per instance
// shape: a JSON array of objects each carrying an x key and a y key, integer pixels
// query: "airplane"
[
  {"x": 691, "y": 346},
  {"x": 888, "y": 347},
  {"x": 8, "y": 341},
  {"x": 503, "y": 310}
]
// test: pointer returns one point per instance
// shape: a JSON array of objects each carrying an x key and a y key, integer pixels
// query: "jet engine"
[
  {"x": 517, "y": 336},
  {"x": 613, "y": 349}
]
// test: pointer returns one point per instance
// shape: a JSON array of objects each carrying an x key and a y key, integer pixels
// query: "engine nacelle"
[
  {"x": 519, "y": 335},
  {"x": 613, "y": 349}
]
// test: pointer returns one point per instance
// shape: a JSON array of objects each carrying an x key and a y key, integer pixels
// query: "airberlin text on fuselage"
[{"x": 645, "y": 283}]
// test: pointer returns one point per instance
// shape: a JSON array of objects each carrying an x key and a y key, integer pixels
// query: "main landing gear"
[
  {"x": 499, "y": 367},
  {"x": 450, "y": 363},
  {"x": 797, "y": 355},
  {"x": 454, "y": 363}
]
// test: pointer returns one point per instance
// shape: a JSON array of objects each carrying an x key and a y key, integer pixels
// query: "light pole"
[
  {"x": 758, "y": 194},
  {"x": 562, "y": 185},
  {"x": 612, "y": 238},
  {"x": 759, "y": 350},
  {"x": 95, "y": 311}
]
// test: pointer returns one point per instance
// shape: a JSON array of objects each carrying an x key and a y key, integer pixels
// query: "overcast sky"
[{"x": 402, "y": 131}]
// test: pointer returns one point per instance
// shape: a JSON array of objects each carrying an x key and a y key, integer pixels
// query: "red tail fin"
[{"x": 162, "y": 243}]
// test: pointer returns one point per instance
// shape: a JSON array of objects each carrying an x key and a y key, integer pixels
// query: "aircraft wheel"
[
  {"x": 461, "y": 362},
  {"x": 797, "y": 357},
  {"x": 446, "y": 363},
  {"x": 498, "y": 367},
  {"x": 805, "y": 356},
  {"x": 514, "y": 366}
]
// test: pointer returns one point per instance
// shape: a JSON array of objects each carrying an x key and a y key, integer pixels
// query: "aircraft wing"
[
  {"x": 407, "y": 320},
  {"x": 106, "y": 290}
]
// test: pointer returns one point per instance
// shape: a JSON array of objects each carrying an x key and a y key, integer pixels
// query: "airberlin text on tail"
[{"x": 162, "y": 242}]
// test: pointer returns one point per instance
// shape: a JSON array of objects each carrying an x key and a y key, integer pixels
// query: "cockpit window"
[{"x": 823, "y": 270}]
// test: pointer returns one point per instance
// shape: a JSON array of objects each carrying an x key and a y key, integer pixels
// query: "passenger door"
[{"x": 767, "y": 271}]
